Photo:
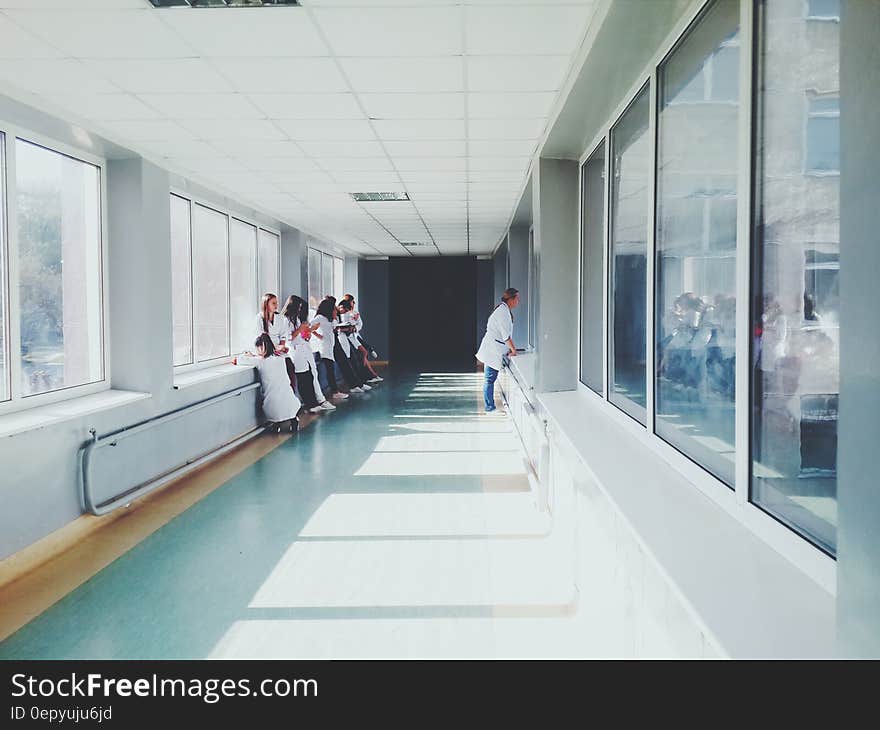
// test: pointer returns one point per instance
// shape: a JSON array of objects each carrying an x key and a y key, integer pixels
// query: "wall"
[
  {"x": 373, "y": 304},
  {"x": 499, "y": 269},
  {"x": 485, "y": 291},
  {"x": 858, "y": 576},
  {"x": 294, "y": 263},
  {"x": 518, "y": 269}
]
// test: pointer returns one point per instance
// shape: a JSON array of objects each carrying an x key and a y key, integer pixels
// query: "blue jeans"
[{"x": 489, "y": 387}]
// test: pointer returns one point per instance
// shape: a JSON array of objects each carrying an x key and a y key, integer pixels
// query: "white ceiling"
[{"x": 291, "y": 109}]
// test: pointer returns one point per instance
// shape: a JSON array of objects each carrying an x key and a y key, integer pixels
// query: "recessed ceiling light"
[
  {"x": 379, "y": 197},
  {"x": 414, "y": 244},
  {"x": 224, "y": 3}
]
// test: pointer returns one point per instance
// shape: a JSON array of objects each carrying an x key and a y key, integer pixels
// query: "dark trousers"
[
  {"x": 326, "y": 367},
  {"x": 307, "y": 389},
  {"x": 351, "y": 378}
]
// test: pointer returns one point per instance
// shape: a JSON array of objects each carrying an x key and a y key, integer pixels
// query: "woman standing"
[
  {"x": 273, "y": 324},
  {"x": 497, "y": 342},
  {"x": 358, "y": 343},
  {"x": 342, "y": 352},
  {"x": 280, "y": 403},
  {"x": 299, "y": 332},
  {"x": 323, "y": 343}
]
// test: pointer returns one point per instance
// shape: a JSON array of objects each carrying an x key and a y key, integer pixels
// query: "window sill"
[
  {"x": 205, "y": 375},
  {"x": 49, "y": 415},
  {"x": 523, "y": 369},
  {"x": 750, "y": 599}
]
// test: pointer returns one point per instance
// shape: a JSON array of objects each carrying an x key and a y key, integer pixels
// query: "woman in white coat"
[
  {"x": 280, "y": 403},
  {"x": 271, "y": 322},
  {"x": 497, "y": 342},
  {"x": 299, "y": 334},
  {"x": 323, "y": 340}
]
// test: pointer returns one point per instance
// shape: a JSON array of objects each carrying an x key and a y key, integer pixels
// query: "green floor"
[{"x": 242, "y": 555}]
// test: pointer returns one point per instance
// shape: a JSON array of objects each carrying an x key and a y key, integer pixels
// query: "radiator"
[{"x": 122, "y": 465}]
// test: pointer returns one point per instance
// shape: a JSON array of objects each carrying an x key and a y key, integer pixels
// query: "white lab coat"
[
  {"x": 279, "y": 401},
  {"x": 344, "y": 341},
  {"x": 324, "y": 347},
  {"x": 354, "y": 337},
  {"x": 499, "y": 329},
  {"x": 300, "y": 350},
  {"x": 278, "y": 329}
]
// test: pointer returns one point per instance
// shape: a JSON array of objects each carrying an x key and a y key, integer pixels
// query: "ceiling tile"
[
  {"x": 328, "y": 129},
  {"x": 510, "y": 105},
  {"x": 217, "y": 163},
  {"x": 203, "y": 106},
  {"x": 321, "y": 150},
  {"x": 414, "y": 106},
  {"x": 248, "y": 32},
  {"x": 516, "y": 73},
  {"x": 341, "y": 164},
  {"x": 418, "y": 164},
  {"x": 308, "y": 106},
  {"x": 179, "y": 148},
  {"x": 244, "y": 147},
  {"x": 127, "y": 33},
  {"x": 150, "y": 130},
  {"x": 277, "y": 164},
  {"x": 527, "y": 30},
  {"x": 281, "y": 75},
  {"x": 478, "y": 162},
  {"x": 19, "y": 43},
  {"x": 420, "y": 129},
  {"x": 506, "y": 128},
  {"x": 184, "y": 75},
  {"x": 104, "y": 107},
  {"x": 502, "y": 148},
  {"x": 431, "y": 148},
  {"x": 378, "y": 31},
  {"x": 46, "y": 75},
  {"x": 381, "y": 75},
  {"x": 234, "y": 129}
]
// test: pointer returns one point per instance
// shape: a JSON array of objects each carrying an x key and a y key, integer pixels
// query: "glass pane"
[
  {"x": 59, "y": 265},
  {"x": 315, "y": 295},
  {"x": 5, "y": 390},
  {"x": 696, "y": 248},
  {"x": 243, "y": 297},
  {"x": 592, "y": 250},
  {"x": 823, "y": 144},
  {"x": 181, "y": 280},
  {"x": 533, "y": 290},
  {"x": 326, "y": 275},
  {"x": 338, "y": 284},
  {"x": 269, "y": 264},
  {"x": 630, "y": 152},
  {"x": 211, "y": 277},
  {"x": 796, "y": 284}
]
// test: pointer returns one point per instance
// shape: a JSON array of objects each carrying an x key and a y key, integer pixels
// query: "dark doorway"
[{"x": 433, "y": 303}]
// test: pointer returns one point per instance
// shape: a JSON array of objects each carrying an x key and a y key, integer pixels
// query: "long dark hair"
[
  {"x": 266, "y": 342},
  {"x": 296, "y": 310},
  {"x": 264, "y": 309},
  {"x": 327, "y": 307}
]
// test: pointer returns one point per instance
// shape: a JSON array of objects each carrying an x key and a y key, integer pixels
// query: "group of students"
[{"x": 297, "y": 356}]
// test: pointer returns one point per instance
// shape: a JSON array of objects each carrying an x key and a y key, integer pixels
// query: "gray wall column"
[
  {"x": 555, "y": 215},
  {"x": 294, "y": 274},
  {"x": 485, "y": 290},
  {"x": 139, "y": 254},
  {"x": 518, "y": 269},
  {"x": 858, "y": 574},
  {"x": 499, "y": 268},
  {"x": 350, "y": 278}
]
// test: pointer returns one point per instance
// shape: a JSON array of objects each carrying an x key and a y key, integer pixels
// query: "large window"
[
  {"x": 325, "y": 277},
  {"x": 631, "y": 178},
  {"x": 58, "y": 213},
  {"x": 695, "y": 301},
  {"x": 592, "y": 268},
  {"x": 796, "y": 267},
  {"x": 533, "y": 291},
  {"x": 5, "y": 389},
  {"x": 221, "y": 266}
]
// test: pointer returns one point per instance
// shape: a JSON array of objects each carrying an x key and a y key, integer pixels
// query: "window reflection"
[
  {"x": 795, "y": 282},
  {"x": 59, "y": 269},
  {"x": 630, "y": 146},
  {"x": 696, "y": 241},
  {"x": 181, "y": 280},
  {"x": 211, "y": 267}
]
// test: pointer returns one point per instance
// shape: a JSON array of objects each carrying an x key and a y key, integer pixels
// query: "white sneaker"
[
  {"x": 355, "y": 390},
  {"x": 342, "y": 396},
  {"x": 366, "y": 387},
  {"x": 316, "y": 409},
  {"x": 377, "y": 379},
  {"x": 327, "y": 406}
]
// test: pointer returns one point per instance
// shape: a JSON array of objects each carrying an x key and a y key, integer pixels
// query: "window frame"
[
  {"x": 333, "y": 257},
  {"x": 805, "y": 555},
  {"x": 809, "y": 97},
  {"x": 9, "y": 240},
  {"x": 229, "y": 214}
]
